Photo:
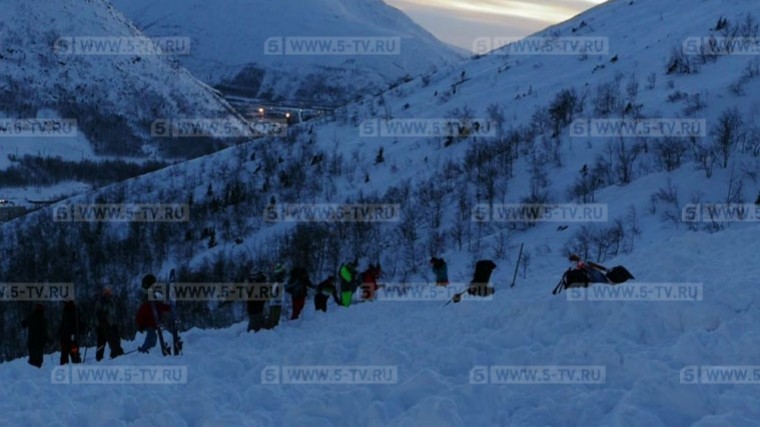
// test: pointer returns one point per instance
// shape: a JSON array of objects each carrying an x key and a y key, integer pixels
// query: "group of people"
[
  {"x": 264, "y": 308},
  {"x": 70, "y": 331},
  {"x": 264, "y": 311}
]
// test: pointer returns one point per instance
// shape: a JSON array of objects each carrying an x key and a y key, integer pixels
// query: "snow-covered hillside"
[
  {"x": 531, "y": 157},
  {"x": 114, "y": 98},
  {"x": 242, "y": 45},
  {"x": 643, "y": 346}
]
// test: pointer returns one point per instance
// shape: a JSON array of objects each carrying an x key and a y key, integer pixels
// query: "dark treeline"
[
  {"x": 36, "y": 170},
  {"x": 93, "y": 255}
]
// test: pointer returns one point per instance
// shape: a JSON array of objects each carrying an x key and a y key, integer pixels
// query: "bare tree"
[
  {"x": 728, "y": 133},
  {"x": 561, "y": 110},
  {"x": 669, "y": 152},
  {"x": 681, "y": 63},
  {"x": 624, "y": 155},
  {"x": 632, "y": 229},
  {"x": 667, "y": 197},
  {"x": 632, "y": 88},
  {"x": 608, "y": 99}
]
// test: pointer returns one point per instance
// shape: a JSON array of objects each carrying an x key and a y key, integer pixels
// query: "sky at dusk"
[{"x": 460, "y": 22}]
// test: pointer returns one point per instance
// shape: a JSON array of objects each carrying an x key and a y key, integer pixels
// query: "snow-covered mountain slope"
[
  {"x": 330, "y": 162},
  {"x": 643, "y": 345},
  {"x": 114, "y": 98},
  {"x": 244, "y": 46},
  {"x": 642, "y": 37}
]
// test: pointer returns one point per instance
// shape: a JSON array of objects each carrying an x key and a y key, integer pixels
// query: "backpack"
[
  {"x": 619, "y": 274},
  {"x": 576, "y": 275},
  {"x": 144, "y": 317},
  {"x": 483, "y": 270}
]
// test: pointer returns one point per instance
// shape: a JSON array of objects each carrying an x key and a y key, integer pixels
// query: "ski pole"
[
  {"x": 84, "y": 359},
  {"x": 517, "y": 266},
  {"x": 456, "y": 296}
]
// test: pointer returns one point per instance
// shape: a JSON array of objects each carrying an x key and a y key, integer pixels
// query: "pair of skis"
[
  {"x": 173, "y": 326},
  {"x": 173, "y": 321}
]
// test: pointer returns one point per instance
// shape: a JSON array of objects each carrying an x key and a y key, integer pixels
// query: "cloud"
[
  {"x": 460, "y": 21},
  {"x": 506, "y": 8}
]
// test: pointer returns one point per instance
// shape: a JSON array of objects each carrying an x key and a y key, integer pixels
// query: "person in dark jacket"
[
  {"x": 277, "y": 283},
  {"x": 479, "y": 285},
  {"x": 37, "y": 337},
  {"x": 255, "y": 305},
  {"x": 440, "y": 270},
  {"x": 106, "y": 326},
  {"x": 324, "y": 290},
  {"x": 69, "y": 333},
  {"x": 369, "y": 282},
  {"x": 298, "y": 288}
]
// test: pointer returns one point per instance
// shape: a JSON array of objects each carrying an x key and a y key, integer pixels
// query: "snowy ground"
[{"x": 642, "y": 346}]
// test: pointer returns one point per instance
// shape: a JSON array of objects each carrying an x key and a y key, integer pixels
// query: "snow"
[
  {"x": 20, "y": 196},
  {"x": 114, "y": 83},
  {"x": 643, "y": 345},
  {"x": 73, "y": 147},
  {"x": 38, "y": 83}
]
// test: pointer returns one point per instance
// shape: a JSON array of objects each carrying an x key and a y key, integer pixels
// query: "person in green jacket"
[{"x": 348, "y": 277}]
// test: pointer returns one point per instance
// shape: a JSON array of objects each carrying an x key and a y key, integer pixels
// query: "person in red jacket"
[
  {"x": 146, "y": 317},
  {"x": 369, "y": 282},
  {"x": 146, "y": 322}
]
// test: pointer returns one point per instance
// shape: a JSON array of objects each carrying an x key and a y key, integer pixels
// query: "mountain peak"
[{"x": 277, "y": 50}]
